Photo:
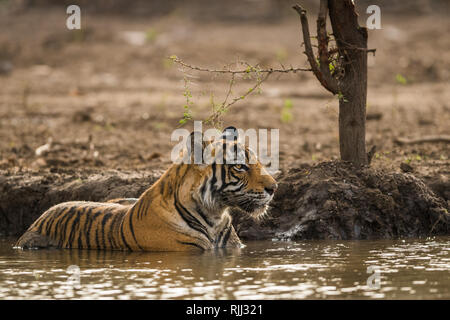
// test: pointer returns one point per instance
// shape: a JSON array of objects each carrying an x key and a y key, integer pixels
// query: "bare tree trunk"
[
  {"x": 351, "y": 41},
  {"x": 351, "y": 83}
]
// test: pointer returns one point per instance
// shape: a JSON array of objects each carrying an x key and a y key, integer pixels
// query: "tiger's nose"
[{"x": 271, "y": 190}]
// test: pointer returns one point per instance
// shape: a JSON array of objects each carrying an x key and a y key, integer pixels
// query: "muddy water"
[{"x": 401, "y": 269}]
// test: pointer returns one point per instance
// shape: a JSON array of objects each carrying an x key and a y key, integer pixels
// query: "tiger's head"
[{"x": 232, "y": 176}]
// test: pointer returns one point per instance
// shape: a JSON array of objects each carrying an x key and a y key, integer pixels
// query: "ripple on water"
[{"x": 282, "y": 270}]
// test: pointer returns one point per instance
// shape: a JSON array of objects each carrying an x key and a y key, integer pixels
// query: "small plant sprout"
[
  {"x": 150, "y": 35},
  {"x": 341, "y": 97},
  {"x": 281, "y": 55},
  {"x": 167, "y": 63},
  {"x": 401, "y": 79},
  {"x": 187, "y": 106},
  {"x": 286, "y": 114}
]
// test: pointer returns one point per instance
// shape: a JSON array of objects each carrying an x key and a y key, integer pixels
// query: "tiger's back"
[{"x": 78, "y": 224}]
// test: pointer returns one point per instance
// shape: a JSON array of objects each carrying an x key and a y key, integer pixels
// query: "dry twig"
[
  {"x": 321, "y": 71},
  {"x": 249, "y": 69}
]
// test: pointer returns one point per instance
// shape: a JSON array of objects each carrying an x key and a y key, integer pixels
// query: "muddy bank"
[
  {"x": 331, "y": 200},
  {"x": 24, "y": 197},
  {"x": 326, "y": 201}
]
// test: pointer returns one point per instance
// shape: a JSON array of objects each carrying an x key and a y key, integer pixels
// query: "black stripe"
[
  {"x": 147, "y": 206},
  {"x": 234, "y": 176},
  {"x": 116, "y": 219},
  {"x": 219, "y": 237},
  {"x": 50, "y": 220},
  {"x": 80, "y": 242},
  {"x": 247, "y": 156},
  {"x": 226, "y": 236},
  {"x": 69, "y": 214},
  {"x": 105, "y": 219},
  {"x": 203, "y": 216},
  {"x": 83, "y": 228},
  {"x": 190, "y": 220},
  {"x": 162, "y": 184},
  {"x": 40, "y": 224},
  {"x": 224, "y": 185},
  {"x": 177, "y": 170},
  {"x": 44, "y": 220},
  {"x": 213, "y": 179},
  {"x": 123, "y": 236},
  {"x": 110, "y": 233},
  {"x": 203, "y": 188},
  {"x": 53, "y": 219},
  {"x": 97, "y": 241},
  {"x": 130, "y": 222},
  {"x": 224, "y": 152},
  {"x": 192, "y": 244},
  {"x": 137, "y": 208},
  {"x": 222, "y": 174},
  {"x": 74, "y": 226},
  {"x": 54, "y": 236},
  {"x": 89, "y": 227},
  {"x": 180, "y": 179}
]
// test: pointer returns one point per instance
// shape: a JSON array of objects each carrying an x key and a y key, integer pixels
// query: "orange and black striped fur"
[{"x": 186, "y": 209}]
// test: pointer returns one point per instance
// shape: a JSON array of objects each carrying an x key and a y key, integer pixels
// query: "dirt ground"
[{"x": 108, "y": 98}]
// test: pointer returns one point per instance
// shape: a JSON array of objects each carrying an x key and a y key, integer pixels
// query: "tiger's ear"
[
  {"x": 195, "y": 146},
  {"x": 230, "y": 134}
]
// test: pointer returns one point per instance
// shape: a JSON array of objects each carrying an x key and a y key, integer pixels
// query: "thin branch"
[
  {"x": 348, "y": 46},
  {"x": 249, "y": 69},
  {"x": 224, "y": 103},
  {"x": 215, "y": 116},
  {"x": 322, "y": 40},
  {"x": 327, "y": 82}
]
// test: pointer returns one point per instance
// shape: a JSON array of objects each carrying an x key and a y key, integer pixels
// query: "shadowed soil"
[{"x": 331, "y": 200}]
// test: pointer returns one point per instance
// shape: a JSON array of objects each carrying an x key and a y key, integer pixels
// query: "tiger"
[{"x": 186, "y": 209}]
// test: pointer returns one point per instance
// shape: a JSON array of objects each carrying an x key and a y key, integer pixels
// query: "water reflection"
[{"x": 411, "y": 269}]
